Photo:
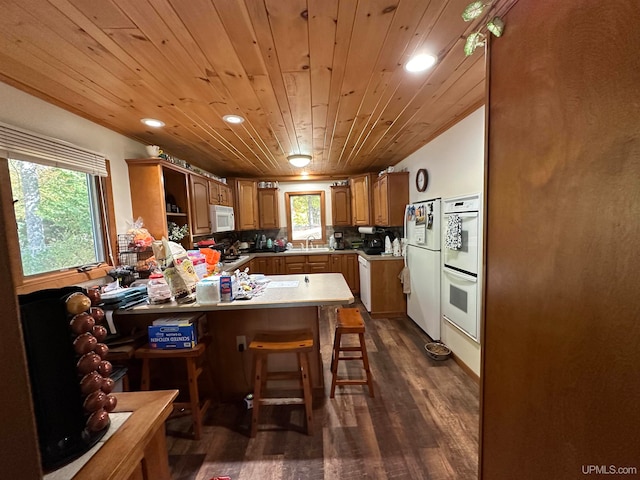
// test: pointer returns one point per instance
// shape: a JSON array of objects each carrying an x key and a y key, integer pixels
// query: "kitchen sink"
[{"x": 301, "y": 251}]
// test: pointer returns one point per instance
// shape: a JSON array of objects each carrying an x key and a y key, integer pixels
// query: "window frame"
[
  {"x": 27, "y": 284},
  {"x": 323, "y": 217}
]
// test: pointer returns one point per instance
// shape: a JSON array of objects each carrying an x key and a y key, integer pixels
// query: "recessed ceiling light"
[
  {"x": 233, "y": 119},
  {"x": 152, "y": 122},
  {"x": 420, "y": 63}
]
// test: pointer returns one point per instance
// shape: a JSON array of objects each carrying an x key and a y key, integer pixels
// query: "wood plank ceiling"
[{"x": 320, "y": 77}]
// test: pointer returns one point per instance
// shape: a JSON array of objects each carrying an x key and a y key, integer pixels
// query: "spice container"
[{"x": 158, "y": 289}]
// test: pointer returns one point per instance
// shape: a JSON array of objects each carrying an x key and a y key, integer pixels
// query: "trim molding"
[{"x": 466, "y": 368}]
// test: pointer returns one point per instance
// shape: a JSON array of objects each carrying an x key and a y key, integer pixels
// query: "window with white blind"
[{"x": 57, "y": 202}]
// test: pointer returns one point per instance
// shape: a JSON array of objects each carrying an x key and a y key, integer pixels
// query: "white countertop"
[
  {"x": 230, "y": 267},
  {"x": 284, "y": 291}
]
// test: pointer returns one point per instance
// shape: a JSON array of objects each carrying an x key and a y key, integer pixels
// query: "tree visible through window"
[
  {"x": 57, "y": 217},
  {"x": 305, "y": 215}
]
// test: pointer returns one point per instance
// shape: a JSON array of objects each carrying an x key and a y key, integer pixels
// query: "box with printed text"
[{"x": 172, "y": 336}]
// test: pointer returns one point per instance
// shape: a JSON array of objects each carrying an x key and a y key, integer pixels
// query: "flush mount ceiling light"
[
  {"x": 152, "y": 122},
  {"x": 233, "y": 119},
  {"x": 420, "y": 63},
  {"x": 299, "y": 160}
]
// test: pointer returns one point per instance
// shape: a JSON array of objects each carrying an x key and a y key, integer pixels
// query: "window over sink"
[{"x": 306, "y": 216}]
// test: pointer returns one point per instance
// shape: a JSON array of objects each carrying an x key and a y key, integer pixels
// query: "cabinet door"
[
  {"x": 199, "y": 205},
  {"x": 278, "y": 265},
  {"x": 341, "y": 206},
  {"x": 336, "y": 263},
  {"x": 360, "y": 200},
  {"x": 247, "y": 211},
  {"x": 260, "y": 265},
  {"x": 350, "y": 272},
  {"x": 396, "y": 197},
  {"x": 214, "y": 193},
  {"x": 382, "y": 209},
  {"x": 225, "y": 195},
  {"x": 376, "y": 202},
  {"x": 268, "y": 208}
]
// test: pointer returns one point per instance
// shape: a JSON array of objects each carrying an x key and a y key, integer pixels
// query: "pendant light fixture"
[{"x": 299, "y": 160}]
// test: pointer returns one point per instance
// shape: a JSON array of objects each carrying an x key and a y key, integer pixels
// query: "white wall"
[
  {"x": 455, "y": 163},
  {"x": 30, "y": 113}
]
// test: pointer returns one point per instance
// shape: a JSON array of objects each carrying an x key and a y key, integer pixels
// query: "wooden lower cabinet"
[
  {"x": 387, "y": 298},
  {"x": 347, "y": 264},
  {"x": 267, "y": 265},
  {"x": 307, "y": 264}
]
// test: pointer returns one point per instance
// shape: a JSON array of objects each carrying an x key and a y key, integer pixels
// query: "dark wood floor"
[{"x": 422, "y": 424}]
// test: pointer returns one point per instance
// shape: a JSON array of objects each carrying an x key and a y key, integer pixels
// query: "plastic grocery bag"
[
  {"x": 177, "y": 268},
  {"x": 141, "y": 238}
]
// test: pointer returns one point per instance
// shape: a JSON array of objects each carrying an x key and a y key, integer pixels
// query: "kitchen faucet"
[{"x": 310, "y": 239}]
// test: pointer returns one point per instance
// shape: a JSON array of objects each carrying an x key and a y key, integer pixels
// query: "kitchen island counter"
[
  {"x": 282, "y": 291},
  {"x": 289, "y": 303}
]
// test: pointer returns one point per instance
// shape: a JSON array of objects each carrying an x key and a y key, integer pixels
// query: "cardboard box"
[
  {"x": 199, "y": 320},
  {"x": 165, "y": 337}
]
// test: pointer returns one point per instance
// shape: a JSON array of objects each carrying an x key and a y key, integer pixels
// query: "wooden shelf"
[{"x": 173, "y": 214}]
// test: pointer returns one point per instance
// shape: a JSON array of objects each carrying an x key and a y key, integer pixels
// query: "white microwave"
[{"x": 222, "y": 219}]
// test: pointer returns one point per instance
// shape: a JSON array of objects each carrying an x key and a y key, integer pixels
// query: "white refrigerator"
[{"x": 422, "y": 257}]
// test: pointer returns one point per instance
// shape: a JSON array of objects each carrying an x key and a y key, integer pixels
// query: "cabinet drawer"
[
  {"x": 295, "y": 259},
  {"x": 318, "y": 258}
]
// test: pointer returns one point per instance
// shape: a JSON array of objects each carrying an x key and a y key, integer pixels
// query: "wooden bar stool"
[
  {"x": 349, "y": 321},
  {"x": 263, "y": 344},
  {"x": 191, "y": 356}
]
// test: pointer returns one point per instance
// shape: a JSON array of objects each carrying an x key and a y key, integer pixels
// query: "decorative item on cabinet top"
[{"x": 267, "y": 184}]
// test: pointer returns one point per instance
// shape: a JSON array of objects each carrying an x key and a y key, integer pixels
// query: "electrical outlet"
[{"x": 241, "y": 343}]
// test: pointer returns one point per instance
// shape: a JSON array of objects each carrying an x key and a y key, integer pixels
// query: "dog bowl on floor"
[{"x": 437, "y": 350}]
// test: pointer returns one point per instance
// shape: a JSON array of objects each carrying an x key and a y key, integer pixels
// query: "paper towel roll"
[{"x": 367, "y": 229}]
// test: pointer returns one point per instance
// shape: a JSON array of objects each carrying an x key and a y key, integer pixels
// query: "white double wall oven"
[{"x": 461, "y": 263}]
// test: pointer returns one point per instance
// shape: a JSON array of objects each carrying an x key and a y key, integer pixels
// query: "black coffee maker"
[
  {"x": 373, "y": 244},
  {"x": 339, "y": 238}
]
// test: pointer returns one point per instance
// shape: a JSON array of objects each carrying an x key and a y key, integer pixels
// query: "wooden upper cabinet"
[
  {"x": 220, "y": 194},
  {"x": 247, "y": 202},
  {"x": 226, "y": 198},
  {"x": 214, "y": 193},
  {"x": 377, "y": 207},
  {"x": 361, "y": 211},
  {"x": 160, "y": 193},
  {"x": 341, "y": 205},
  {"x": 390, "y": 196},
  {"x": 200, "y": 224},
  {"x": 268, "y": 208}
]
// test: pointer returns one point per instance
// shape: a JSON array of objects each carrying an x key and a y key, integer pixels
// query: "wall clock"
[{"x": 422, "y": 179}]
